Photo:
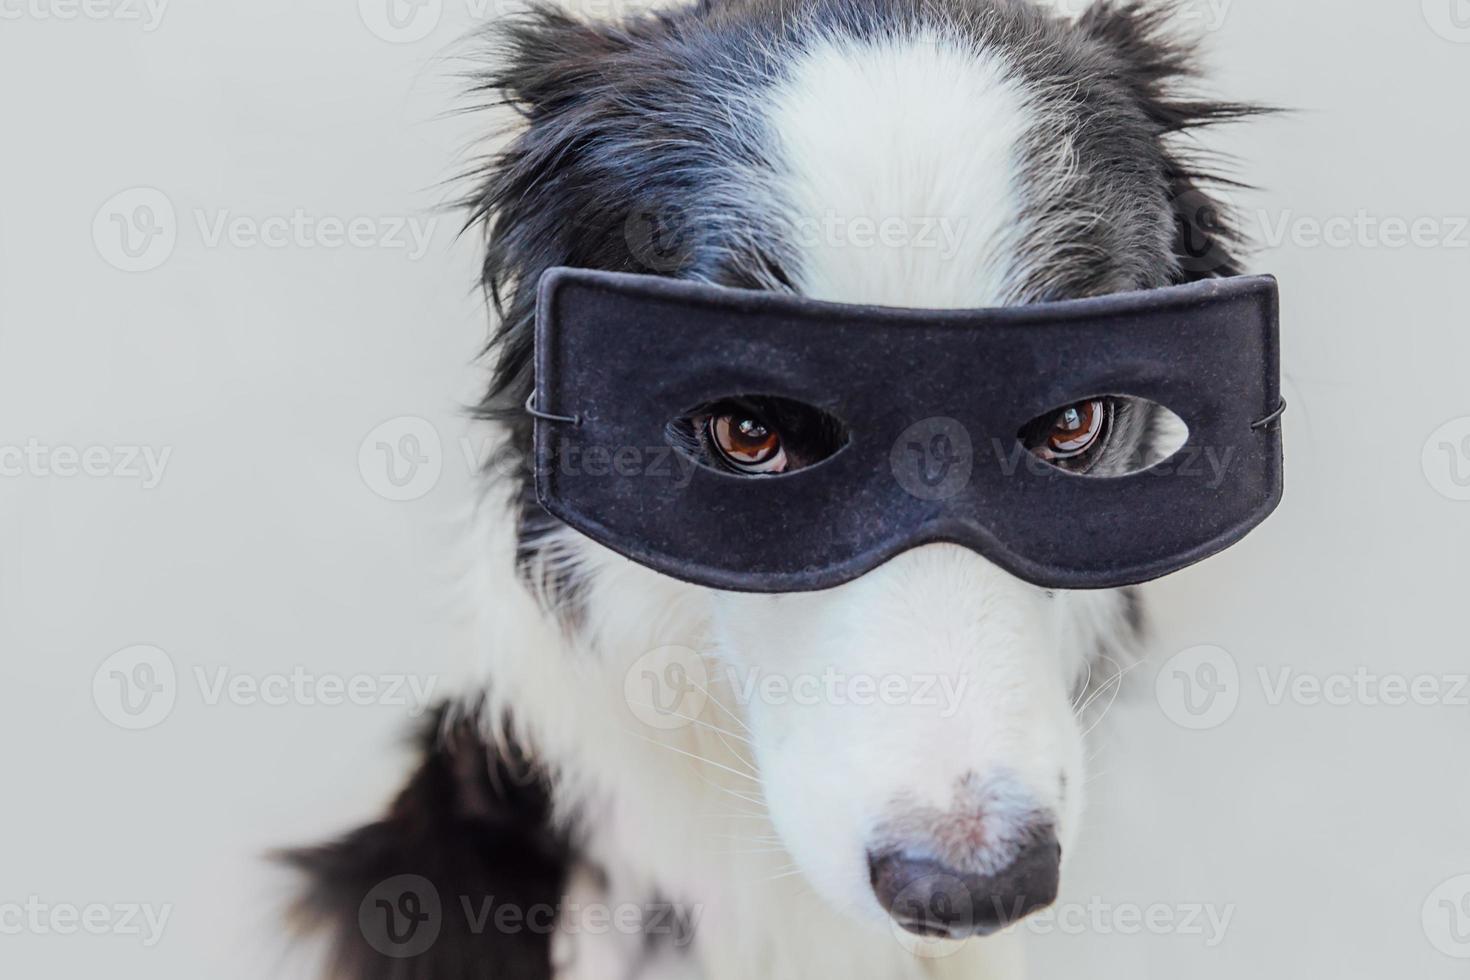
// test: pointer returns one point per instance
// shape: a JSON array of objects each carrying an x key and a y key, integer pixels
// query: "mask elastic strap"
[
  {"x": 1271, "y": 419},
  {"x": 547, "y": 416}
]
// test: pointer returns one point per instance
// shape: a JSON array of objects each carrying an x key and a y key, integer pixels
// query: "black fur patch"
[{"x": 416, "y": 895}]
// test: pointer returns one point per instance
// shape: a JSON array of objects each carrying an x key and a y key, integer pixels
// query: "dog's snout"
[{"x": 929, "y": 897}]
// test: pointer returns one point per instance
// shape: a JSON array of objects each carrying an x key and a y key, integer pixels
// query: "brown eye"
[
  {"x": 747, "y": 443},
  {"x": 1074, "y": 430}
]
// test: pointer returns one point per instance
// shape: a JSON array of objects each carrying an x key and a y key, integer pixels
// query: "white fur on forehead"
[{"x": 897, "y": 162}]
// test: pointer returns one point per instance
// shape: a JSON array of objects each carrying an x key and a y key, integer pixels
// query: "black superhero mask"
[{"x": 927, "y": 409}]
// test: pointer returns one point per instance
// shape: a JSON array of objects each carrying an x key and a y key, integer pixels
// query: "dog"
[{"x": 655, "y": 779}]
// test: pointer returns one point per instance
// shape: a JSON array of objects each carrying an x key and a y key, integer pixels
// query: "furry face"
[
  {"x": 910, "y": 154},
  {"x": 967, "y": 757}
]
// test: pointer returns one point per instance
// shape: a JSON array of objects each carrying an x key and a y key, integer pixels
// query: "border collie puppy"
[{"x": 654, "y": 779}]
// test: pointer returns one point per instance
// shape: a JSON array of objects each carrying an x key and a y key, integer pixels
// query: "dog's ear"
[
  {"x": 1157, "y": 65},
  {"x": 563, "y": 188},
  {"x": 553, "y": 71},
  {"x": 545, "y": 61},
  {"x": 539, "y": 201}
]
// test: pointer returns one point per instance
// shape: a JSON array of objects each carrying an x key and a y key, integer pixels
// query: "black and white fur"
[{"x": 705, "y": 142}]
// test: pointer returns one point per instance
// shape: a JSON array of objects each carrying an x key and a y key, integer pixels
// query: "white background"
[{"x": 1325, "y": 829}]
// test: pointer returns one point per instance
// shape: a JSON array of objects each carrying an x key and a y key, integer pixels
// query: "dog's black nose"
[{"x": 929, "y": 898}]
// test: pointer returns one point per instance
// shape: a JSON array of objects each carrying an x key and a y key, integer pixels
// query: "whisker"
[
  {"x": 1114, "y": 679},
  {"x": 763, "y": 839},
  {"x": 753, "y": 801},
  {"x": 1082, "y": 690},
  {"x": 696, "y": 721},
  {"x": 721, "y": 705},
  {"x": 740, "y": 796},
  {"x": 1117, "y": 684},
  {"x": 696, "y": 757},
  {"x": 1093, "y": 694},
  {"x": 735, "y": 815}
]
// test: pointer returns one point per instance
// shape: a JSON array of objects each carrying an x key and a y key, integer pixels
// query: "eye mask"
[{"x": 930, "y": 402}]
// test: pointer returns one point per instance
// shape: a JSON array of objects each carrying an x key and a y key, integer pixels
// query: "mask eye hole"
[
  {"x": 1105, "y": 436},
  {"x": 757, "y": 435}
]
